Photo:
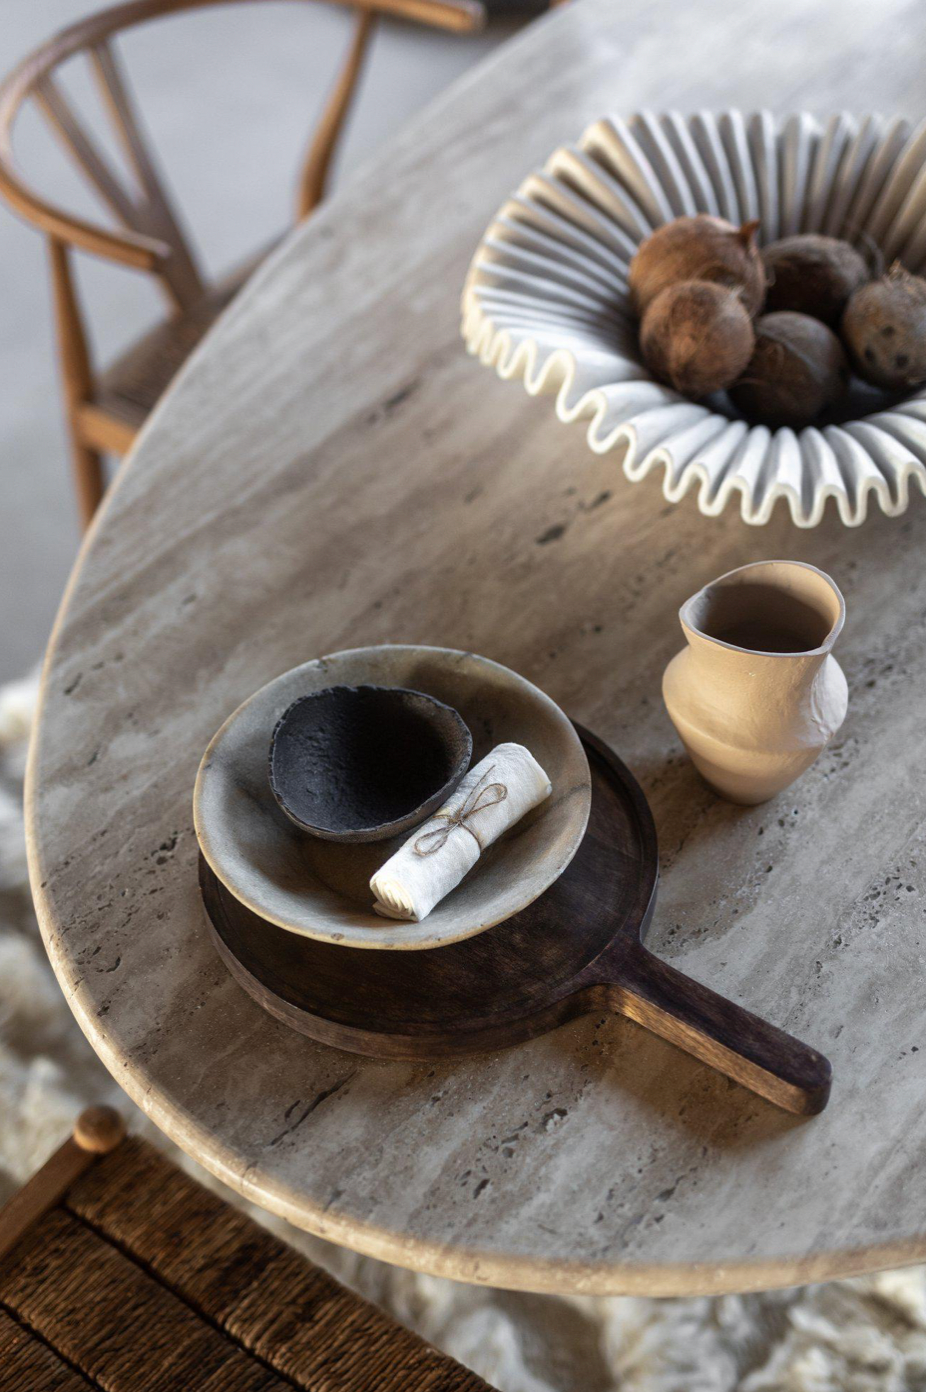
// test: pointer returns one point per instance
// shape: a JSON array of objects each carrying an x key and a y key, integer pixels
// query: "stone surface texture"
[{"x": 332, "y": 470}]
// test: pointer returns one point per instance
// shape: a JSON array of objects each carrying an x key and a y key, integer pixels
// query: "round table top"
[{"x": 333, "y": 470}]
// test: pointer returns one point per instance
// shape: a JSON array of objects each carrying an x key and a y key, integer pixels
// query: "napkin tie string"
[{"x": 480, "y": 797}]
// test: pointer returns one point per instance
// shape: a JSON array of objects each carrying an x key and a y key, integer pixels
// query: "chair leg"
[
  {"x": 76, "y": 380},
  {"x": 89, "y": 479}
]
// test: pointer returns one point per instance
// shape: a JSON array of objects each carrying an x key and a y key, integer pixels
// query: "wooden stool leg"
[{"x": 98, "y": 1131}]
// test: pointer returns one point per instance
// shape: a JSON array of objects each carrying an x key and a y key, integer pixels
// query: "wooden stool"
[{"x": 118, "y": 1271}]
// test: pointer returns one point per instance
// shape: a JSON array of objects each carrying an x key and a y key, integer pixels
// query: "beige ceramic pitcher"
[{"x": 756, "y": 694}]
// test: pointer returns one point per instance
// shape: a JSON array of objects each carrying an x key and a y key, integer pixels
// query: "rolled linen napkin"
[{"x": 491, "y": 798}]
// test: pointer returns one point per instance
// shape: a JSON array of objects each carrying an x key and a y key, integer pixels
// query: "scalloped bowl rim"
[{"x": 524, "y": 360}]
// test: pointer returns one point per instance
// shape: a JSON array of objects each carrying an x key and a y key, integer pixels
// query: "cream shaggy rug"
[{"x": 849, "y": 1336}]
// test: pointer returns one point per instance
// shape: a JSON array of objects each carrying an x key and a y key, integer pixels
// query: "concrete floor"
[{"x": 228, "y": 96}]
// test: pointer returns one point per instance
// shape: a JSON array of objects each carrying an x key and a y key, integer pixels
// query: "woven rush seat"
[
  {"x": 132, "y": 385},
  {"x": 135, "y": 1278}
]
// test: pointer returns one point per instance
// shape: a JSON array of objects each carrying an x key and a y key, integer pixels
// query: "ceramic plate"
[
  {"x": 321, "y": 888},
  {"x": 546, "y": 297}
]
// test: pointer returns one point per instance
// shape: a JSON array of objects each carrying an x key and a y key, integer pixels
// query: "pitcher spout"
[{"x": 769, "y": 608}]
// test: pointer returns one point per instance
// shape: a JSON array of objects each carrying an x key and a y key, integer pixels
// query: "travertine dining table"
[{"x": 331, "y": 470}]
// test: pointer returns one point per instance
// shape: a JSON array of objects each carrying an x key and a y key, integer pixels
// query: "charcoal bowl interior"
[{"x": 362, "y": 762}]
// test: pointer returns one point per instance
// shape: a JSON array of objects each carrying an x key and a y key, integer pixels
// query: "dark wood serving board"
[{"x": 576, "y": 949}]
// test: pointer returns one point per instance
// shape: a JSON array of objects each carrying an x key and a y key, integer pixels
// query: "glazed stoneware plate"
[
  {"x": 321, "y": 888},
  {"x": 546, "y": 298}
]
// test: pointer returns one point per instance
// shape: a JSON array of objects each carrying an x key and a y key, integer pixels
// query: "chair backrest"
[{"x": 149, "y": 236}]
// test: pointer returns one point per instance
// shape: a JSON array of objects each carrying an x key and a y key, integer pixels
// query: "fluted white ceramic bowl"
[{"x": 545, "y": 300}]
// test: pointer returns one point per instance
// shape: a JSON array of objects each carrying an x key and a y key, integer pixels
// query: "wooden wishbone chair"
[{"x": 105, "y": 411}]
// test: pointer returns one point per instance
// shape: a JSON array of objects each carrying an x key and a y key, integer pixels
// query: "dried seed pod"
[
  {"x": 797, "y": 370},
  {"x": 812, "y": 275},
  {"x": 696, "y": 337},
  {"x": 698, "y": 248},
  {"x": 884, "y": 329}
]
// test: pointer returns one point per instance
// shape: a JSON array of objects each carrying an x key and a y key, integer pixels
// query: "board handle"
[{"x": 735, "y": 1042}]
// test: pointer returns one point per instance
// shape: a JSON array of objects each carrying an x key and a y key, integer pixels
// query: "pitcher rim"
[{"x": 820, "y": 650}]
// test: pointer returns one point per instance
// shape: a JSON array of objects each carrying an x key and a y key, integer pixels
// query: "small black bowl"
[{"x": 361, "y": 763}]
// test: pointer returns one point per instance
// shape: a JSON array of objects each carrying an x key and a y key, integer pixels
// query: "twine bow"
[{"x": 475, "y": 801}]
